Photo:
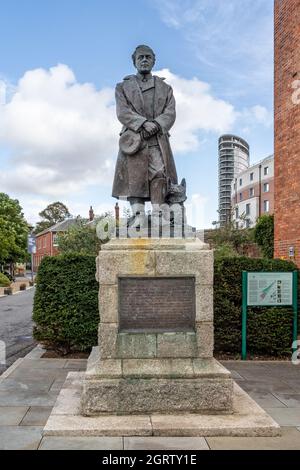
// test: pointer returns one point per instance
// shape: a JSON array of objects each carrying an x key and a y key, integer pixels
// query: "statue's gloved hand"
[{"x": 151, "y": 128}]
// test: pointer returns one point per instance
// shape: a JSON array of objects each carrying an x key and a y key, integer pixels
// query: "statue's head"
[{"x": 143, "y": 59}]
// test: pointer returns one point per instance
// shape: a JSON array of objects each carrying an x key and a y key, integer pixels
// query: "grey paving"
[
  {"x": 20, "y": 437},
  {"x": 292, "y": 400},
  {"x": 27, "y": 383},
  {"x": 27, "y": 398},
  {"x": 165, "y": 443},
  {"x": 12, "y": 415},
  {"x": 285, "y": 416},
  {"x": 81, "y": 443},
  {"x": 267, "y": 399},
  {"x": 36, "y": 416},
  {"x": 289, "y": 440},
  {"x": 28, "y": 392}
]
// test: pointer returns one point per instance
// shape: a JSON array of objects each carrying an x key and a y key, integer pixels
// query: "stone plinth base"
[
  {"x": 160, "y": 385},
  {"x": 247, "y": 419}
]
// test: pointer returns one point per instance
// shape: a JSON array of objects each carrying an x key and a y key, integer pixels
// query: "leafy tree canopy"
[
  {"x": 54, "y": 213},
  {"x": 13, "y": 231}
]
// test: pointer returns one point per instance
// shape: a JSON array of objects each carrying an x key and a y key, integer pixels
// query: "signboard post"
[
  {"x": 273, "y": 289},
  {"x": 31, "y": 248}
]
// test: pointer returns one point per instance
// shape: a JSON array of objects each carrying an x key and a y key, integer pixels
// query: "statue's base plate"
[{"x": 247, "y": 420}]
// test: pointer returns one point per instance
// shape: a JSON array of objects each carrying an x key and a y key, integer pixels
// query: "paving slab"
[
  {"x": 36, "y": 416},
  {"x": 266, "y": 386},
  {"x": 267, "y": 400},
  {"x": 27, "y": 398},
  {"x": 38, "y": 374},
  {"x": 20, "y": 438},
  {"x": 291, "y": 400},
  {"x": 76, "y": 364},
  {"x": 289, "y": 440},
  {"x": 165, "y": 443},
  {"x": 285, "y": 416},
  {"x": 44, "y": 363},
  {"x": 12, "y": 415},
  {"x": 81, "y": 443},
  {"x": 26, "y": 383}
]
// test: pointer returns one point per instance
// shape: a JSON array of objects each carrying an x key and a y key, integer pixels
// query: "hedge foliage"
[
  {"x": 269, "y": 330},
  {"x": 4, "y": 281},
  {"x": 66, "y": 302},
  {"x": 66, "y": 306}
]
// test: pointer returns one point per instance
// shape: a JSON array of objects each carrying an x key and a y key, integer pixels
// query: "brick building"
[
  {"x": 252, "y": 193},
  {"x": 46, "y": 241},
  {"x": 287, "y": 129}
]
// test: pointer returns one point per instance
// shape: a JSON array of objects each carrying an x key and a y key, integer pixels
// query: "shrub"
[
  {"x": 4, "y": 281},
  {"x": 269, "y": 330},
  {"x": 66, "y": 302},
  {"x": 264, "y": 235}
]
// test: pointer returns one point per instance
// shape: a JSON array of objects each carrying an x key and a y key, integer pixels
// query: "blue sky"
[{"x": 60, "y": 61}]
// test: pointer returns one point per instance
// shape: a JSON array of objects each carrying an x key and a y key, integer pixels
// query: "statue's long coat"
[{"x": 131, "y": 173}]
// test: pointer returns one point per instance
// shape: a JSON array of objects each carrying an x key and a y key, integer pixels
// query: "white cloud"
[
  {"x": 62, "y": 135},
  {"x": 197, "y": 110}
]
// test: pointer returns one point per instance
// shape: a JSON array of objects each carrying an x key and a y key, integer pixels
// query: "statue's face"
[{"x": 144, "y": 61}]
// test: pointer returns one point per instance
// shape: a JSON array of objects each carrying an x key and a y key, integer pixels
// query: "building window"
[
  {"x": 55, "y": 239},
  {"x": 236, "y": 212},
  {"x": 251, "y": 176},
  {"x": 251, "y": 192},
  {"x": 247, "y": 209},
  {"x": 241, "y": 181},
  {"x": 266, "y": 170},
  {"x": 266, "y": 187},
  {"x": 237, "y": 225},
  {"x": 266, "y": 206},
  {"x": 241, "y": 196},
  {"x": 247, "y": 223}
]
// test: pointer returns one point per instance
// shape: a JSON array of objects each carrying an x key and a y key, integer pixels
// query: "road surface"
[{"x": 16, "y": 326}]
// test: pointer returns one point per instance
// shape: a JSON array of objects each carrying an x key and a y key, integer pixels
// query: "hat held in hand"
[{"x": 130, "y": 142}]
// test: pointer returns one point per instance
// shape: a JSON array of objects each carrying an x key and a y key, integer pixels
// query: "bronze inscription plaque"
[{"x": 156, "y": 304}]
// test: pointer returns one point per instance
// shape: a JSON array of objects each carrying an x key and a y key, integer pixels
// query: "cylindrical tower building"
[{"x": 233, "y": 158}]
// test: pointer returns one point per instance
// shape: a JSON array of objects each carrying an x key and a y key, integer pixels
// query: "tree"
[
  {"x": 13, "y": 231},
  {"x": 82, "y": 238},
  {"x": 54, "y": 213},
  {"x": 264, "y": 235}
]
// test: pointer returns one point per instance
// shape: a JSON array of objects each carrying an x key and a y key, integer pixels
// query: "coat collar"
[{"x": 135, "y": 96}]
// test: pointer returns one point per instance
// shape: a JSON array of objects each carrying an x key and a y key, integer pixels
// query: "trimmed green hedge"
[
  {"x": 269, "y": 330},
  {"x": 66, "y": 306},
  {"x": 66, "y": 302},
  {"x": 4, "y": 281}
]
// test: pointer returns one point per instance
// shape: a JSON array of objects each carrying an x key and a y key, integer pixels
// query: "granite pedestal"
[{"x": 155, "y": 351}]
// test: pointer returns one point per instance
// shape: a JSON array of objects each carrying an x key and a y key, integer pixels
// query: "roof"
[{"x": 59, "y": 227}]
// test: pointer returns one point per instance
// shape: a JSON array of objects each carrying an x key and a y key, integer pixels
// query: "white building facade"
[{"x": 252, "y": 193}]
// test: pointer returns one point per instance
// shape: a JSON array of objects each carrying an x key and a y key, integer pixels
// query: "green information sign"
[{"x": 272, "y": 289}]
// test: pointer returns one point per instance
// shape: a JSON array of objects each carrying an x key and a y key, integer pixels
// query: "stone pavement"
[{"x": 28, "y": 391}]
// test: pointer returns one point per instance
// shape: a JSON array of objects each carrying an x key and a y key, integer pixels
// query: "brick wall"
[
  {"x": 44, "y": 247},
  {"x": 287, "y": 128}
]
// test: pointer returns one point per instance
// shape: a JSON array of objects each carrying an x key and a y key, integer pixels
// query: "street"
[{"x": 16, "y": 326}]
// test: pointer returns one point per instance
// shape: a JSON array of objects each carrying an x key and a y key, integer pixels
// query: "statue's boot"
[
  {"x": 158, "y": 193},
  {"x": 138, "y": 214}
]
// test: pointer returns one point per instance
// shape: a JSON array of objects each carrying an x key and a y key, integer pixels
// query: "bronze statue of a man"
[{"x": 146, "y": 108}]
